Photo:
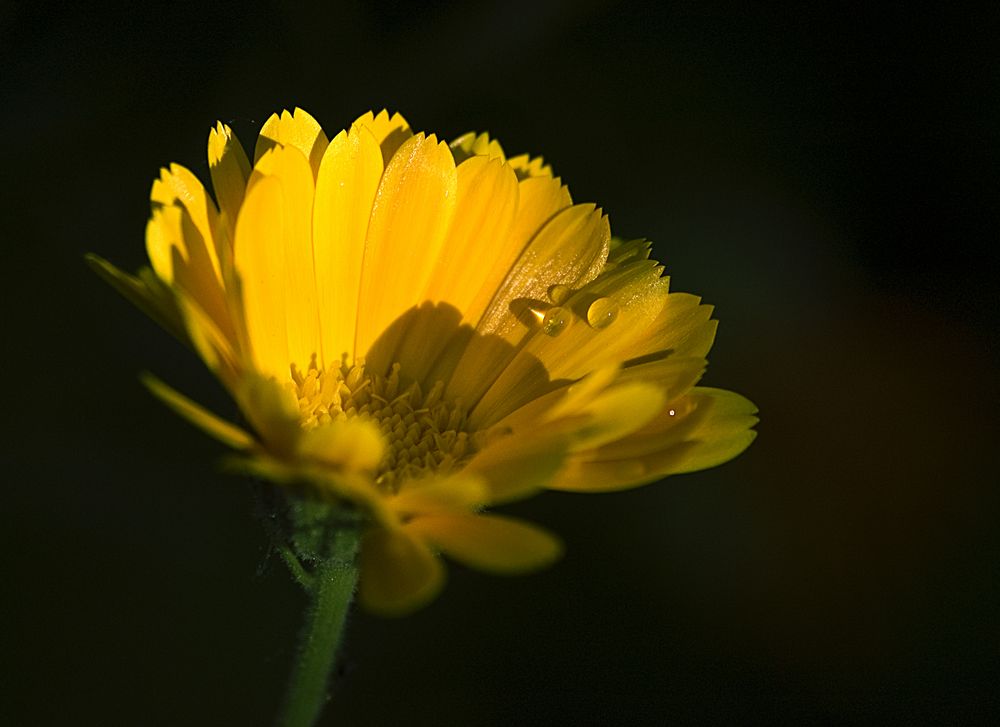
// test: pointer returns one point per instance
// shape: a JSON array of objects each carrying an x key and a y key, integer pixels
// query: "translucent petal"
[
  {"x": 353, "y": 444},
  {"x": 229, "y": 168},
  {"x": 489, "y": 542},
  {"x": 209, "y": 423},
  {"x": 703, "y": 429},
  {"x": 288, "y": 166},
  {"x": 260, "y": 263},
  {"x": 485, "y": 209},
  {"x": 180, "y": 255},
  {"x": 461, "y": 491},
  {"x": 297, "y": 129},
  {"x": 724, "y": 433},
  {"x": 528, "y": 167},
  {"x": 569, "y": 250},
  {"x": 517, "y": 464},
  {"x": 471, "y": 144},
  {"x": 178, "y": 187},
  {"x": 634, "y": 292},
  {"x": 399, "y": 573},
  {"x": 390, "y": 131},
  {"x": 538, "y": 201},
  {"x": 682, "y": 328},
  {"x": 345, "y": 190},
  {"x": 412, "y": 211},
  {"x": 213, "y": 346},
  {"x": 273, "y": 412},
  {"x": 149, "y": 295}
]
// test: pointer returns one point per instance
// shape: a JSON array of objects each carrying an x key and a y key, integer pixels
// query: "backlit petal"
[
  {"x": 390, "y": 131},
  {"x": 412, "y": 211},
  {"x": 345, "y": 190},
  {"x": 399, "y": 573},
  {"x": 297, "y": 129},
  {"x": 489, "y": 542},
  {"x": 209, "y": 423},
  {"x": 230, "y": 168}
]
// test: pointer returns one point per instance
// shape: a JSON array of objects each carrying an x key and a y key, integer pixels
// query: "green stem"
[{"x": 332, "y": 591}]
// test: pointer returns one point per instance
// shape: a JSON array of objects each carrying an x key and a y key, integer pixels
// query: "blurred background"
[{"x": 824, "y": 177}]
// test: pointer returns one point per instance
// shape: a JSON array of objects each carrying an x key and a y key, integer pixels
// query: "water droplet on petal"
[
  {"x": 602, "y": 313},
  {"x": 555, "y": 321},
  {"x": 559, "y": 293}
]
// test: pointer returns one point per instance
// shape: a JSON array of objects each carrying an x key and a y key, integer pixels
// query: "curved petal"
[
  {"x": 147, "y": 292},
  {"x": 485, "y": 208},
  {"x": 390, "y": 131},
  {"x": 489, "y": 542},
  {"x": 345, "y": 191},
  {"x": 272, "y": 411},
  {"x": 569, "y": 250},
  {"x": 724, "y": 433},
  {"x": 297, "y": 129},
  {"x": 704, "y": 428},
  {"x": 515, "y": 465},
  {"x": 399, "y": 573},
  {"x": 412, "y": 211},
  {"x": 289, "y": 167},
  {"x": 196, "y": 414},
  {"x": 472, "y": 144},
  {"x": 229, "y": 167},
  {"x": 353, "y": 444},
  {"x": 178, "y": 187}
]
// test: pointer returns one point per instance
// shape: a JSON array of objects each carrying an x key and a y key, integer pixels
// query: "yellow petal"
[
  {"x": 528, "y": 167},
  {"x": 391, "y": 132},
  {"x": 489, "y": 542},
  {"x": 486, "y": 206},
  {"x": 416, "y": 340},
  {"x": 633, "y": 294},
  {"x": 273, "y": 412},
  {"x": 209, "y": 423},
  {"x": 180, "y": 255},
  {"x": 704, "y": 428},
  {"x": 214, "y": 347},
  {"x": 230, "y": 168},
  {"x": 289, "y": 167},
  {"x": 178, "y": 187},
  {"x": 260, "y": 263},
  {"x": 345, "y": 190},
  {"x": 564, "y": 400},
  {"x": 620, "y": 410},
  {"x": 146, "y": 292},
  {"x": 472, "y": 144},
  {"x": 298, "y": 130},
  {"x": 412, "y": 211},
  {"x": 516, "y": 465},
  {"x": 353, "y": 444},
  {"x": 682, "y": 328},
  {"x": 460, "y": 491},
  {"x": 724, "y": 433},
  {"x": 399, "y": 573},
  {"x": 569, "y": 250},
  {"x": 674, "y": 375}
]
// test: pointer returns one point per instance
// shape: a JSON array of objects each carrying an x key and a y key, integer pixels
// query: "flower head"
[{"x": 421, "y": 330}]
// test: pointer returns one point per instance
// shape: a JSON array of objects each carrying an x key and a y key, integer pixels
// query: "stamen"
[{"x": 424, "y": 433}]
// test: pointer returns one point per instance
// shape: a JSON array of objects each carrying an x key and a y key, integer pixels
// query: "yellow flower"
[{"x": 422, "y": 330}]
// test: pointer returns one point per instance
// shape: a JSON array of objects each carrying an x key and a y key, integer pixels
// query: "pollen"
[{"x": 425, "y": 433}]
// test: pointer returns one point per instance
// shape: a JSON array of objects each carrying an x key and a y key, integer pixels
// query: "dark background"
[{"x": 824, "y": 176}]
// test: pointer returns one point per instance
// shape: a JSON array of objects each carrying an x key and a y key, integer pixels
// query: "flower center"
[{"x": 423, "y": 432}]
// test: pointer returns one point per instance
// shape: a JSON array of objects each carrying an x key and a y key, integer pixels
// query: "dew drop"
[
  {"x": 602, "y": 313},
  {"x": 555, "y": 321},
  {"x": 559, "y": 293}
]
